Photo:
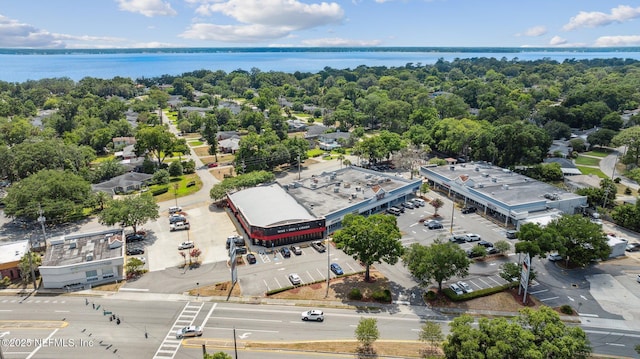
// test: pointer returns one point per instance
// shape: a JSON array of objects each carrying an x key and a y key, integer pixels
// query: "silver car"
[
  {"x": 465, "y": 287},
  {"x": 295, "y": 279},
  {"x": 190, "y": 331},
  {"x": 456, "y": 289}
]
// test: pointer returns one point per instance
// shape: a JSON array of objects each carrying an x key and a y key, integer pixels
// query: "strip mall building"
[{"x": 308, "y": 209}]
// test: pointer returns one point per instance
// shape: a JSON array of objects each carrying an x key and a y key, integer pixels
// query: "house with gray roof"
[{"x": 132, "y": 181}]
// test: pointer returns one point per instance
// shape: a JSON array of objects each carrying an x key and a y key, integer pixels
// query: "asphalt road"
[{"x": 64, "y": 326}]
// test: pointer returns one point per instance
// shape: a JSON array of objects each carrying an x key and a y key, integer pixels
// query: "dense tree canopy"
[
  {"x": 134, "y": 211},
  {"x": 371, "y": 239},
  {"x": 437, "y": 262}
]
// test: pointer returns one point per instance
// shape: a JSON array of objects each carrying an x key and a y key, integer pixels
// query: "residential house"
[
  {"x": 330, "y": 141},
  {"x": 132, "y": 181},
  {"x": 120, "y": 142},
  {"x": 229, "y": 145}
]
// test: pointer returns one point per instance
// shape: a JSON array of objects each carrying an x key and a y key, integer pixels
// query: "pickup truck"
[
  {"x": 178, "y": 226},
  {"x": 318, "y": 246}
]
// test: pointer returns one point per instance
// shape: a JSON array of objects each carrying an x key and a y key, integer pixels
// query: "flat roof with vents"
[{"x": 79, "y": 248}]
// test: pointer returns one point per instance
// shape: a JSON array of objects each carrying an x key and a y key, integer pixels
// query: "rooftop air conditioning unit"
[
  {"x": 336, "y": 189},
  {"x": 89, "y": 257}
]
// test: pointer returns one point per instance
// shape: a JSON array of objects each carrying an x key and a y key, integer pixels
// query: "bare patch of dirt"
[{"x": 217, "y": 290}]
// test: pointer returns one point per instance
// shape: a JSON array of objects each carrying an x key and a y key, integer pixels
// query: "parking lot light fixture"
[{"x": 328, "y": 266}]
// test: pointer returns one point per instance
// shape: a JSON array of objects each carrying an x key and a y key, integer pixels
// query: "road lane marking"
[
  {"x": 615, "y": 344},
  {"x": 134, "y": 290},
  {"x": 588, "y": 315},
  {"x": 545, "y": 299},
  {"x": 209, "y": 314},
  {"x": 46, "y": 340},
  {"x": 252, "y": 319},
  {"x": 539, "y": 291}
]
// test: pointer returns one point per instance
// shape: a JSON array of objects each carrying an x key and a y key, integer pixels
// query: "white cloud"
[
  {"x": 148, "y": 8},
  {"x": 284, "y": 13},
  {"x": 233, "y": 33},
  {"x": 557, "y": 41},
  {"x": 261, "y": 20},
  {"x": 338, "y": 42},
  {"x": 592, "y": 19},
  {"x": 631, "y": 40},
  {"x": 15, "y": 34},
  {"x": 534, "y": 31}
]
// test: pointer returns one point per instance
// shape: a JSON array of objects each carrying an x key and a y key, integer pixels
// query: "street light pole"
[
  {"x": 328, "y": 266},
  {"x": 453, "y": 207},
  {"x": 175, "y": 193}
]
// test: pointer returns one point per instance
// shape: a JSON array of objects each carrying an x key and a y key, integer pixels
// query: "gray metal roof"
[{"x": 269, "y": 205}]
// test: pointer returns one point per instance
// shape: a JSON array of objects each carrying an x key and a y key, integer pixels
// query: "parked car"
[
  {"x": 134, "y": 237},
  {"x": 433, "y": 225},
  {"x": 419, "y": 202},
  {"x": 134, "y": 251},
  {"x": 638, "y": 278},
  {"x": 394, "y": 211},
  {"x": 251, "y": 258},
  {"x": 458, "y": 238},
  {"x": 212, "y": 164},
  {"x": 464, "y": 286},
  {"x": 554, "y": 257},
  {"x": 238, "y": 240},
  {"x": 241, "y": 250},
  {"x": 633, "y": 247},
  {"x": 318, "y": 246},
  {"x": 314, "y": 314},
  {"x": 190, "y": 331},
  {"x": 175, "y": 209},
  {"x": 512, "y": 234},
  {"x": 472, "y": 237},
  {"x": 294, "y": 278},
  {"x": 456, "y": 289},
  {"x": 179, "y": 226},
  {"x": 409, "y": 205},
  {"x": 485, "y": 244},
  {"x": 335, "y": 268},
  {"x": 467, "y": 210},
  {"x": 186, "y": 245},
  {"x": 492, "y": 250},
  {"x": 286, "y": 253},
  {"x": 174, "y": 218},
  {"x": 296, "y": 250}
]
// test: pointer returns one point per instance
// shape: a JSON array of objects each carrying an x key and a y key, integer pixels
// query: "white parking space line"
[
  {"x": 321, "y": 275},
  {"x": 310, "y": 276},
  {"x": 276, "y": 279},
  {"x": 472, "y": 282},
  {"x": 485, "y": 283},
  {"x": 350, "y": 267},
  {"x": 545, "y": 299},
  {"x": 539, "y": 291},
  {"x": 498, "y": 283}
]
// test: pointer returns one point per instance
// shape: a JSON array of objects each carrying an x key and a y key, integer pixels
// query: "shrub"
[
  {"x": 430, "y": 295},
  {"x": 175, "y": 169},
  {"x": 355, "y": 294},
  {"x": 566, "y": 309},
  {"x": 161, "y": 177},
  {"x": 627, "y": 191},
  {"x": 159, "y": 191},
  {"x": 617, "y": 180},
  {"x": 383, "y": 296},
  {"x": 5, "y": 282}
]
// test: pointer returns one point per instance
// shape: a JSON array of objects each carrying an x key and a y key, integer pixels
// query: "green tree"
[
  {"x": 100, "y": 199},
  {"x": 431, "y": 333},
  {"x": 502, "y": 246},
  {"x": 533, "y": 334},
  {"x": 218, "y": 355},
  {"x": 175, "y": 169},
  {"x": 629, "y": 137},
  {"x": 536, "y": 240},
  {"x": 581, "y": 240},
  {"x": 61, "y": 196},
  {"x": 131, "y": 211},
  {"x": 156, "y": 141},
  {"x": 437, "y": 262},
  {"x": 371, "y": 239},
  {"x": 134, "y": 264},
  {"x": 25, "y": 265},
  {"x": 367, "y": 331},
  {"x": 210, "y": 134}
]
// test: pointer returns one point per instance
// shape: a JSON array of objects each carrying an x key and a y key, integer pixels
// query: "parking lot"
[{"x": 271, "y": 270}]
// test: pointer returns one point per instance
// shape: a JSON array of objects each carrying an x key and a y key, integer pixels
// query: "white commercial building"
[{"x": 83, "y": 260}]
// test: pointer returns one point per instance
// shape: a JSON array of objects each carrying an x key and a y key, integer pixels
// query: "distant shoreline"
[{"x": 422, "y": 49}]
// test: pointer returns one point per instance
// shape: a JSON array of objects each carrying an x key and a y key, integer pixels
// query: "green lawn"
[
  {"x": 182, "y": 189},
  {"x": 598, "y": 153},
  {"x": 587, "y": 161},
  {"x": 592, "y": 171},
  {"x": 195, "y": 143}
]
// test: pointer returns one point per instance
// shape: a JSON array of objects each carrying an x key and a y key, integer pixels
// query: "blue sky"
[{"x": 258, "y": 23}]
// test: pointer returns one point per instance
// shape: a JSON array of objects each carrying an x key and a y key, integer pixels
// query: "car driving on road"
[
  {"x": 314, "y": 314},
  {"x": 190, "y": 331}
]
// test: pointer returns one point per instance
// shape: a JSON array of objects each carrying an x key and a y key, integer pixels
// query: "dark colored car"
[
  {"x": 238, "y": 240},
  {"x": 134, "y": 251},
  {"x": 485, "y": 244},
  {"x": 175, "y": 218},
  {"x": 434, "y": 225},
  {"x": 458, "y": 238},
  {"x": 296, "y": 250},
  {"x": 285, "y": 252},
  {"x": 241, "y": 250},
  {"x": 335, "y": 268},
  {"x": 251, "y": 258},
  {"x": 467, "y": 210},
  {"x": 134, "y": 237}
]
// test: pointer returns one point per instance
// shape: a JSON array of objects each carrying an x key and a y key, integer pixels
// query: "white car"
[
  {"x": 456, "y": 289},
  {"x": 295, "y": 279},
  {"x": 190, "y": 331},
  {"x": 186, "y": 245},
  {"x": 314, "y": 314},
  {"x": 465, "y": 287},
  {"x": 554, "y": 257},
  {"x": 472, "y": 237}
]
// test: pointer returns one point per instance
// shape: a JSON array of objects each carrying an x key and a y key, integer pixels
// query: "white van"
[
  {"x": 178, "y": 226},
  {"x": 175, "y": 209},
  {"x": 418, "y": 202}
]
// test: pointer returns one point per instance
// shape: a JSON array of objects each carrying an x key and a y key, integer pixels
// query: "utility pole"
[
  {"x": 298, "y": 166},
  {"x": 328, "y": 266}
]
